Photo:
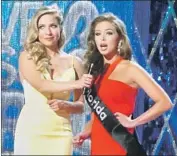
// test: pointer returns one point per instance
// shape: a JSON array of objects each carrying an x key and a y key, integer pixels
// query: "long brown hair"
[{"x": 92, "y": 54}]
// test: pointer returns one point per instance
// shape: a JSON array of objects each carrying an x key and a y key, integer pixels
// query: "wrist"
[
  {"x": 85, "y": 134},
  {"x": 76, "y": 85},
  {"x": 66, "y": 106},
  {"x": 135, "y": 122}
]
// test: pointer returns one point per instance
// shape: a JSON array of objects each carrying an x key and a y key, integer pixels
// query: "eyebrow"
[
  {"x": 40, "y": 25},
  {"x": 49, "y": 24},
  {"x": 106, "y": 29}
]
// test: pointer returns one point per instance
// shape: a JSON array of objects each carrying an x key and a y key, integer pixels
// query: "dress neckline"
[
  {"x": 58, "y": 76},
  {"x": 112, "y": 66}
]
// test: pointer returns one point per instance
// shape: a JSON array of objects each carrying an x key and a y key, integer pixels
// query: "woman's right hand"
[
  {"x": 85, "y": 81},
  {"x": 80, "y": 138}
]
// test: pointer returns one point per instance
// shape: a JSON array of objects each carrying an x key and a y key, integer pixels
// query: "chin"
[
  {"x": 108, "y": 54},
  {"x": 49, "y": 44},
  {"x": 105, "y": 53}
]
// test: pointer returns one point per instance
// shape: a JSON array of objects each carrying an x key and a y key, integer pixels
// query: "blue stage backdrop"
[{"x": 150, "y": 49}]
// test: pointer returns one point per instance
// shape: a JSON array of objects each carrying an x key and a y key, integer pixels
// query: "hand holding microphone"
[{"x": 86, "y": 80}]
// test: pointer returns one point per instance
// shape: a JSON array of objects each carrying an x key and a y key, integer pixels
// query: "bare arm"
[
  {"x": 29, "y": 72},
  {"x": 74, "y": 107},
  {"x": 70, "y": 107},
  {"x": 154, "y": 91},
  {"x": 78, "y": 104},
  {"x": 88, "y": 126},
  {"x": 85, "y": 134}
]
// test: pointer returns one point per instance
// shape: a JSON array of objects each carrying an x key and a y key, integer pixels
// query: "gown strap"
[{"x": 112, "y": 67}]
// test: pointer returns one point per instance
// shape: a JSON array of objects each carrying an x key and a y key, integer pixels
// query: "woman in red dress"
[{"x": 117, "y": 85}]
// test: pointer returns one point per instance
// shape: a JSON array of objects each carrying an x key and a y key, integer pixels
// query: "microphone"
[{"x": 89, "y": 72}]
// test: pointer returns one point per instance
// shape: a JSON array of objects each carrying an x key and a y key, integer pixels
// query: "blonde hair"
[
  {"x": 92, "y": 54},
  {"x": 36, "y": 50}
]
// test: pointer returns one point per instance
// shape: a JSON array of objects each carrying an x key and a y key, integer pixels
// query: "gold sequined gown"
[{"x": 40, "y": 130}]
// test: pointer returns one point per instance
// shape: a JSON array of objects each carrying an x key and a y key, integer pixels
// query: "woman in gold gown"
[{"x": 46, "y": 73}]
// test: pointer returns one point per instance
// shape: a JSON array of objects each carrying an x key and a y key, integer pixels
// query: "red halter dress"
[{"x": 118, "y": 97}]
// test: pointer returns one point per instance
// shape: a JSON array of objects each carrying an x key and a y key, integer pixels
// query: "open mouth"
[{"x": 103, "y": 46}]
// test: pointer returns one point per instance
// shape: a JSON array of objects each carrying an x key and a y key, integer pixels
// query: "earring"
[{"x": 119, "y": 46}]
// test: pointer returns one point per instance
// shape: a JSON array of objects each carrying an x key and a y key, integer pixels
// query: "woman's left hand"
[
  {"x": 56, "y": 104},
  {"x": 125, "y": 120}
]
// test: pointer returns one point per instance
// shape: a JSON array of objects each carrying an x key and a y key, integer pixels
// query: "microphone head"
[{"x": 90, "y": 68}]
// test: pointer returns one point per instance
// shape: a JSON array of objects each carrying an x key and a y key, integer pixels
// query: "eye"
[
  {"x": 97, "y": 34},
  {"x": 54, "y": 26},
  {"x": 109, "y": 33},
  {"x": 41, "y": 27}
]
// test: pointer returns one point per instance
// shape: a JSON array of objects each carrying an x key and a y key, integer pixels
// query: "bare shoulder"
[
  {"x": 129, "y": 63},
  {"x": 125, "y": 63},
  {"x": 24, "y": 58},
  {"x": 65, "y": 56},
  {"x": 135, "y": 67},
  {"x": 27, "y": 67},
  {"x": 129, "y": 66},
  {"x": 132, "y": 69},
  {"x": 23, "y": 55},
  {"x": 22, "y": 61},
  {"x": 78, "y": 64},
  {"x": 138, "y": 73},
  {"x": 78, "y": 61},
  {"x": 69, "y": 57}
]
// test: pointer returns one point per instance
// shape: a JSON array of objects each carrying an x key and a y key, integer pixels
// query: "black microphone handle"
[{"x": 89, "y": 72}]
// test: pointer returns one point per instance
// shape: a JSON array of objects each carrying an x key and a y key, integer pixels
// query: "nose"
[
  {"x": 48, "y": 31},
  {"x": 103, "y": 37}
]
